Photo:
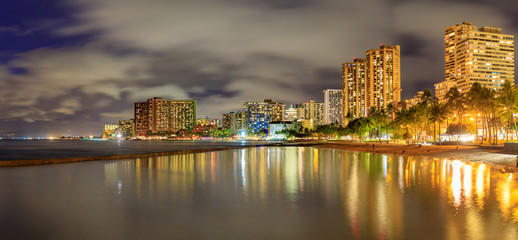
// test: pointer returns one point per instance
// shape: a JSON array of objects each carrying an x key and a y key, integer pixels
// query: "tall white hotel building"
[{"x": 333, "y": 106}]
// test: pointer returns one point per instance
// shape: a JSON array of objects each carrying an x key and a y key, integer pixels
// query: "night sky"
[{"x": 79, "y": 64}]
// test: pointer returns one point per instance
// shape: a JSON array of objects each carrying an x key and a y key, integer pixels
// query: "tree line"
[{"x": 481, "y": 111}]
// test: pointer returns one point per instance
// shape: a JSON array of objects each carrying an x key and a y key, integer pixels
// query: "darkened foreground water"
[{"x": 260, "y": 193}]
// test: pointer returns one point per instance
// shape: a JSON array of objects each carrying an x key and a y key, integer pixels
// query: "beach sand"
[{"x": 493, "y": 155}]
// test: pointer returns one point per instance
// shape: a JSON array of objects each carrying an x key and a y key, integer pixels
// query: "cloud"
[{"x": 221, "y": 52}]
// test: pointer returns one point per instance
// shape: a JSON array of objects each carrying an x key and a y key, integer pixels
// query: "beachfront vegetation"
[{"x": 480, "y": 115}]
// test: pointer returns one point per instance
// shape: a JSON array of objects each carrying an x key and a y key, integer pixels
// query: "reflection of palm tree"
[
  {"x": 457, "y": 101},
  {"x": 438, "y": 113}
]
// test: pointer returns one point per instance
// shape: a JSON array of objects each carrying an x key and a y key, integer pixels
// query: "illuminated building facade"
[
  {"x": 227, "y": 118},
  {"x": 291, "y": 114},
  {"x": 110, "y": 130},
  {"x": 276, "y": 127},
  {"x": 354, "y": 88},
  {"x": 441, "y": 88},
  {"x": 127, "y": 128},
  {"x": 262, "y": 113},
  {"x": 158, "y": 115},
  {"x": 415, "y": 100},
  {"x": 239, "y": 122},
  {"x": 332, "y": 106},
  {"x": 203, "y": 121},
  {"x": 371, "y": 82},
  {"x": 485, "y": 56},
  {"x": 313, "y": 111},
  {"x": 383, "y": 76}
]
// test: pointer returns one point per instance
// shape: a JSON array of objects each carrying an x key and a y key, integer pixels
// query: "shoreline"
[
  {"x": 491, "y": 155},
  {"x": 495, "y": 156}
]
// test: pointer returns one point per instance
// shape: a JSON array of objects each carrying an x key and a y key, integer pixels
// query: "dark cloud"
[{"x": 412, "y": 45}]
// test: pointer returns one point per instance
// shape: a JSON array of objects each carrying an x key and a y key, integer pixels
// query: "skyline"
[{"x": 76, "y": 65}]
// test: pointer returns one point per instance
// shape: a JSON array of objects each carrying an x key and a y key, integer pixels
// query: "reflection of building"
[
  {"x": 374, "y": 81},
  {"x": 485, "y": 56},
  {"x": 158, "y": 115},
  {"x": 441, "y": 88},
  {"x": 262, "y": 113},
  {"x": 359, "y": 191},
  {"x": 333, "y": 106}
]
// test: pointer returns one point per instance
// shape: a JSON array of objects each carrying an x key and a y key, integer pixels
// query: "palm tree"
[
  {"x": 508, "y": 100},
  {"x": 391, "y": 111},
  {"x": 438, "y": 113},
  {"x": 378, "y": 119},
  {"x": 404, "y": 119},
  {"x": 489, "y": 112},
  {"x": 476, "y": 103},
  {"x": 427, "y": 100},
  {"x": 457, "y": 101}
]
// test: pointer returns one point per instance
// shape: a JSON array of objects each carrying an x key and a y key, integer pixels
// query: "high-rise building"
[
  {"x": 158, "y": 115},
  {"x": 239, "y": 122},
  {"x": 332, "y": 106},
  {"x": 415, "y": 100},
  {"x": 227, "y": 118},
  {"x": 485, "y": 55},
  {"x": 383, "y": 76},
  {"x": 127, "y": 128},
  {"x": 354, "y": 88},
  {"x": 262, "y": 113},
  {"x": 110, "y": 130},
  {"x": 313, "y": 111},
  {"x": 371, "y": 82},
  {"x": 291, "y": 114},
  {"x": 441, "y": 88}
]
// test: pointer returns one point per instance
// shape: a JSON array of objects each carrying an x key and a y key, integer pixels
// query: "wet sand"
[{"x": 493, "y": 155}]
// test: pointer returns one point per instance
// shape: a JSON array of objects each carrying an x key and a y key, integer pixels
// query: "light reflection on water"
[{"x": 258, "y": 193}]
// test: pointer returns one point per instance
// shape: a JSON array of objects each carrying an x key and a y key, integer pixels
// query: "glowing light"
[
  {"x": 467, "y": 184},
  {"x": 480, "y": 187},
  {"x": 456, "y": 184}
]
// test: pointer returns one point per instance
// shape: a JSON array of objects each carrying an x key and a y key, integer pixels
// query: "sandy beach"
[{"x": 493, "y": 155}]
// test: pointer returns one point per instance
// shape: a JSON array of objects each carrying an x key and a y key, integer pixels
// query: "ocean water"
[
  {"x": 45, "y": 149},
  {"x": 260, "y": 193}
]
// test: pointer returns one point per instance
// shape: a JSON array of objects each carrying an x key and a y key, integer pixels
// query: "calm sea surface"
[
  {"x": 260, "y": 193},
  {"x": 45, "y": 149}
]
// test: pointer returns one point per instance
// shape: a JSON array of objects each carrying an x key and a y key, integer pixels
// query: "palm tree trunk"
[
  {"x": 507, "y": 130},
  {"x": 476, "y": 128},
  {"x": 439, "y": 133},
  {"x": 434, "y": 133}
]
